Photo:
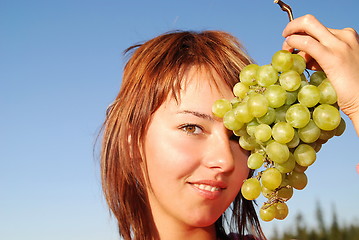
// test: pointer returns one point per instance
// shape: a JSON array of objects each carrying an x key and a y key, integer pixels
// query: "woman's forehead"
[
  {"x": 199, "y": 77},
  {"x": 199, "y": 86}
]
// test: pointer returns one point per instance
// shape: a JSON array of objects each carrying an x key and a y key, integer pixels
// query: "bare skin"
[
  {"x": 334, "y": 51},
  {"x": 195, "y": 169}
]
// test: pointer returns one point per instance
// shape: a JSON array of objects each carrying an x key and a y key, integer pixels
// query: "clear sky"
[{"x": 60, "y": 67}]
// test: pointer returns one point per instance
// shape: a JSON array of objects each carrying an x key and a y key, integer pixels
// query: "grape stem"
[{"x": 285, "y": 8}]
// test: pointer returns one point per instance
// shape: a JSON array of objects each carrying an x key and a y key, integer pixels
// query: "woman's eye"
[{"x": 192, "y": 129}]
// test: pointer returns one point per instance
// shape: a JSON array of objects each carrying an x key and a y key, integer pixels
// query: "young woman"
[{"x": 170, "y": 169}]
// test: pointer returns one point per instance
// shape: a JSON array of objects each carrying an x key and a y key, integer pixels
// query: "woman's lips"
[
  {"x": 209, "y": 189},
  {"x": 206, "y": 187}
]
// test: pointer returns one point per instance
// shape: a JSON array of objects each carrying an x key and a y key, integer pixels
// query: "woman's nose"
[{"x": 219, "y": 153}]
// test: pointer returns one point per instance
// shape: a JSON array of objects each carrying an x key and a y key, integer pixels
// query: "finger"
[
  {"x": 309, "y": 25},
  {"x": 311, "y": 63},
  {"x": 308, "y": 45},
  {"x": 348, "y": 30},
  {"x": 286, "y": 46},
  {"x": 348, "y": 35}
]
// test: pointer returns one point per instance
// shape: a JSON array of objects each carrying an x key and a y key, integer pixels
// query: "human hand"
[{"x": 334, "y": 51}]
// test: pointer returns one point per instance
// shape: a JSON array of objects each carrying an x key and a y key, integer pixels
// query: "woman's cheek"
[
  {"x": 186, "y": 150},
  {"x": 174, "y": 150},
  {"x": 240, "y": 156}
]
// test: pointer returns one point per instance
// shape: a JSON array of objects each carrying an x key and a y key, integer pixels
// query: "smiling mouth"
[{"x": 206, "y": 187}]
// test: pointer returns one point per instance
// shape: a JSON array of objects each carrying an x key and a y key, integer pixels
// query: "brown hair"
[{"x": 153, "y": 73}]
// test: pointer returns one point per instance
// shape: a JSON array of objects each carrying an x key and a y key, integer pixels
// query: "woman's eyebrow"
[{"x": 197, "y": 114}]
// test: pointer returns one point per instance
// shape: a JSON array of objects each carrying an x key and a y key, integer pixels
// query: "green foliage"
[{"x": 322, "y": 231}]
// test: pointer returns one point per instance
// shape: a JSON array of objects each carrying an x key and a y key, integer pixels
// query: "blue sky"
[{"x": 60, "y": 67}]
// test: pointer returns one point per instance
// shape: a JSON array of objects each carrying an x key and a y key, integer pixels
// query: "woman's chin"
[{"x": 203, "y": 222}]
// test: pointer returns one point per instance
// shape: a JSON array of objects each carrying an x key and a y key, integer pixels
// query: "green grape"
[
  {"x": 285, "y": 182},
  {"x": 321, "y": 141},
  {"x": 248, "y": 74},
  {"x": 241, "y": 132},
  {"x": 341, "y": 128},
  {"x": 282, "y": 60},
  {"x": 248, "y": 143},
  {"x": 283, "y": 132},
  {"x": 257, "y": 104},
  {"x": 263, "y": 145},
  {"x": 277, "y": 152},
  {"x": 299, "y": 63},
  {"x": 310, "y": 133},
  {"x": 326, "y": 117},
  {"x": 304, "y": 79},
  {"x": 240, "y": 90},
  {"x": 266, "y": 76},
  {"x": 327, "y": 92},
  {"x": 298, "y": 115},
  {"x": 290, "y": 80},
  {"x": 251, "y": 127},
  {"x": 230, "y": 121},
  {"x": 260, "y": 151},
  {"x": 295, "y": 141},
  {"x": 267, "y": 212},
  {"x": 287, "y": 166},
  {"x": 326, "y": 135},
  {"x": 268, "y": 118},
  {"x": 271, "y": 178},
  {"x": 280, "y": 113},
  {"x": 220, "y": 107},
  {"x": 299, "y": 169},
  {"x": 282, "y": 210},
  {"x": 317, "y": 77},
  {"x": 305, "y": 155},
  {"x": 250, "y": 92},
  {"x": 309, "y": 95},
  {"x": 298, "y": 180},
  {"x": 291, "y": 98},
  {"x": 267, "y": 192},
  {"x": 316, "y": 146},
  {"x": 235, "y": 101},
  {"x": 285, "y": 192},
  {"x": 242, "y": 112},
  {"x": 255, "y": 160},
  {"x": 303, "y": 83},
  {"x": 263, "y": 132},
  {"x": 251, "y": 188},
  {"x": 276, "y": 96}
]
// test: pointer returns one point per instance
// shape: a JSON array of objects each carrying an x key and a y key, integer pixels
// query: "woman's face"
[{"x": 194, "y": 168}]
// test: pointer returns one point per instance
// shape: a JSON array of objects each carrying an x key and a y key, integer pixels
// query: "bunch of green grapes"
[{"x": 283, "y": 119}]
